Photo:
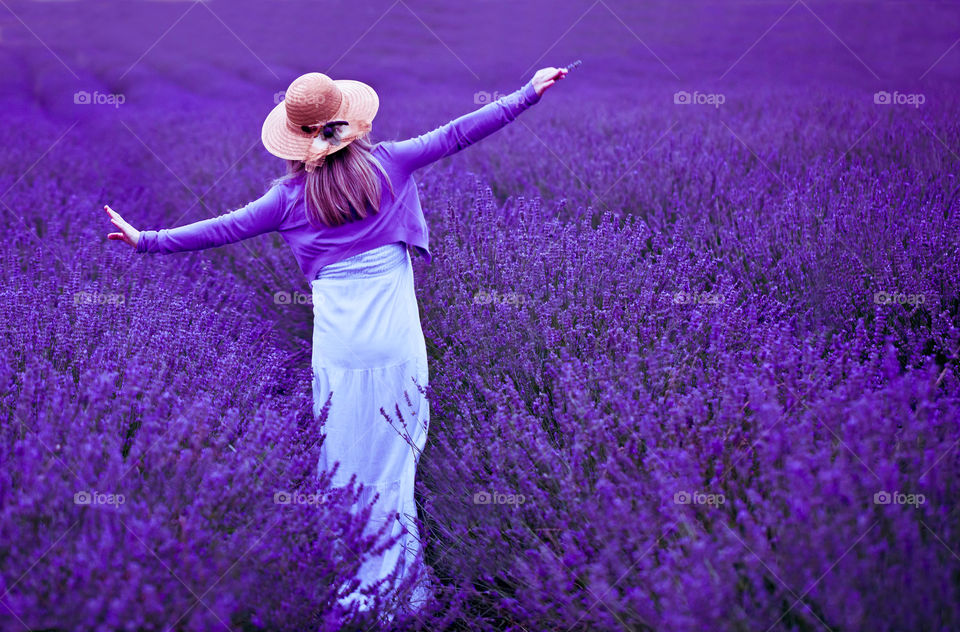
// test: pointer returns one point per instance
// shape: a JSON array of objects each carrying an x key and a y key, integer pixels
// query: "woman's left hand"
[
  {"x": 546, "y": 77},
  {"x": 128, "y": 234}
]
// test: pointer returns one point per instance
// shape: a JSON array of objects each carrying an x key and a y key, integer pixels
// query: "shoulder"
[
  {"x": 395, "y": 157},
  {"x": 282, "y": 192},
  {"x": 287, "y": 186},
  {"x": 288, "y": 183},
  {"x": 386, "y": 154},
  {"x": 382, "y": 149}
]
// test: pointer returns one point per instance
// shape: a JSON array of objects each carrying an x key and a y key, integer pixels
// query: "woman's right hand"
[
  {"x": 546, "y": 77},
  {"x": 128, "y": 234}
]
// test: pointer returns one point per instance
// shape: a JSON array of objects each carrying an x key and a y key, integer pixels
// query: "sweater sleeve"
[
  {"x": 410, "y": 155},
  {"x": 260, "y": 216}
]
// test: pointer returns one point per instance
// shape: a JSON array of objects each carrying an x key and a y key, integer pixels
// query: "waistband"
[{"x": 373, "y": 262}]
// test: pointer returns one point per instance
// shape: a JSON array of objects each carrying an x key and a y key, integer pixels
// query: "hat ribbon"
[
  {"x": 329, "y": 130},
  {"x": 326, "y": 136}
]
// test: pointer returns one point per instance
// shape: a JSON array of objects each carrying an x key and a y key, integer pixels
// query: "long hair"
[{"x": 339, "y": 190}]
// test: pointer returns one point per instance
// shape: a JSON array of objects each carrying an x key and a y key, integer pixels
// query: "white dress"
[{"x": 369, "y": 353}]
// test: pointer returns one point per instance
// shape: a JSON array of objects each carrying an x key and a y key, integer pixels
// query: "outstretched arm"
[
  {"x": 260, "y": 216},
  {"x": 462, "y": 132}
]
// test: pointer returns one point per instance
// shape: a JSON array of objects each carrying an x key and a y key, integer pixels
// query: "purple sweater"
[{"x": 282, "y": 207}]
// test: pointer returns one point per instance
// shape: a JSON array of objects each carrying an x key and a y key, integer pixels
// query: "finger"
[
  {"x": 115, "y": 236},
  {"x": 548, "y": 73}
]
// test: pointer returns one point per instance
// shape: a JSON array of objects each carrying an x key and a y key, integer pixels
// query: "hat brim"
[{"x": 360, "y": 104}]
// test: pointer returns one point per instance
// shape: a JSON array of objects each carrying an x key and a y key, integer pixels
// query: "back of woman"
[{"x": 350, "y": 212}]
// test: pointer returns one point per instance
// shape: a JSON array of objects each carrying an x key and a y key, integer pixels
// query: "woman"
[{"x": 349, "y": 210}]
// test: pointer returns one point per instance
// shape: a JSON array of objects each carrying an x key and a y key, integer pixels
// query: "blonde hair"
[{"x": 339, "y": 189}]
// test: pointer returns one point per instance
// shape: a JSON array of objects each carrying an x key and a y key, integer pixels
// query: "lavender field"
[{"x": 692, "y": 320}]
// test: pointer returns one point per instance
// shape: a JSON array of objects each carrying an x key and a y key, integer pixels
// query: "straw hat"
[{"x": 317, "y": 117}]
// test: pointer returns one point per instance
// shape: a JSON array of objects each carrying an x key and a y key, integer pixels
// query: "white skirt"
[{"x": 369, "y": 357}]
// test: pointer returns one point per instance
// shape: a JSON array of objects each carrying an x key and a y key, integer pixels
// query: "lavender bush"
[{"x": 693, "y": 366}]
